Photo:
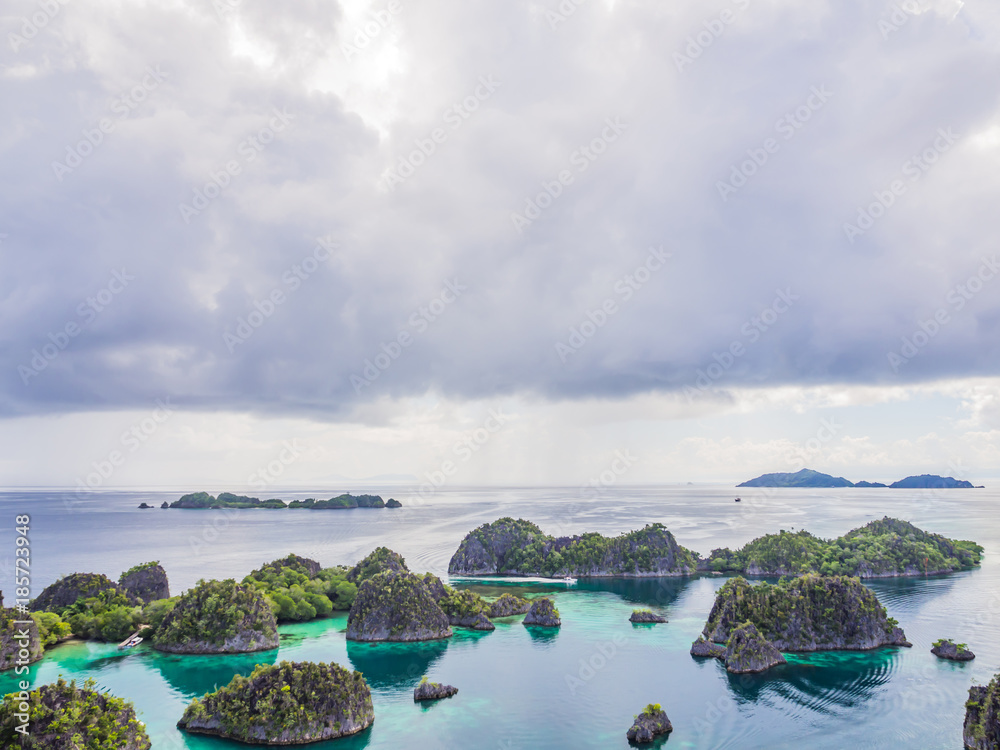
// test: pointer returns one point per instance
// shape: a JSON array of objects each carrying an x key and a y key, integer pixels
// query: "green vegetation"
[
  {"x": 52, "y": 629},
  {"x": 463, "y": 604},
  {"x": 518, "y": 547},
  {"x": 65, "y": 717},
  {"x": 982, "y": 716},
  {"x": 110, "y": 616},
  {"x": 285, "y": 703},
  {"x": 218, "y": 616},
  {"x": 887, "y": 547},
  {"x": 948, "y": 641},
  {"x": 139, "y": 568},
  {"x": 224, "y": 500},
  {"x": 296, "y": 594},
  {"x": 378, "y": 561},
  {"x": 651, "y": 709}
]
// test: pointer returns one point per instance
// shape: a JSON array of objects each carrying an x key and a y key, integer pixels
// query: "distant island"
[
  {"x": 810, "y": 478},
  {"x": 205, "y": 501}
]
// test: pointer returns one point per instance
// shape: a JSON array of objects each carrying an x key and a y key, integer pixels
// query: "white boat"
[{"x": 569, "y": 581}]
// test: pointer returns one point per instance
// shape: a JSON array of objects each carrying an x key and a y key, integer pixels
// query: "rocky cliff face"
[
  {"x": 466, "y": 609},
  {"x": 396, "y": 606},
  {"x": 519, "y": 548},
  {"x": 66, "y": 591},
  {"x": 509, "y": 605},
  {"x": 66, "y": 716},
  {"x": 303, "y": 565},
  {"x": 543, "y": 613},
  {"x": 19, "y": 643},
  {"x": 218, "y": 617},
  {"x": 147, "y": 582},
  {"x": 285, "y": 704},
  {"x": 982, "y": 718},
  {"x": 809, "y": 613},
  {"x": 748, "y": 651}
]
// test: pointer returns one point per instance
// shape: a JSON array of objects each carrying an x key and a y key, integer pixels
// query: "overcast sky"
[{"x": 722, "y": 238}]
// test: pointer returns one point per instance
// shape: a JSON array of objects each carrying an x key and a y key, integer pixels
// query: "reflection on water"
[
  {"x": 826, "y": 682},
  {"x": 193, "y": 676},
  {"x": 395, "y": 665},
  {"x": 542, "y": 636},
  {"x": 648, "y": 592}
]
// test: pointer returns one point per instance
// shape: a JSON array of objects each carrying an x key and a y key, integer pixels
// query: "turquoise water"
[{"x": 527, "y": 688}]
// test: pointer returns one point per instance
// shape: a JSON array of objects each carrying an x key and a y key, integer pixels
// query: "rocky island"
[
  {"x": 519, "y": 548},
  {"x": 64, "y": 716},
  {"x": 880, "y": 549},
  {"x": 509, "y": 605},
  {"x": 299, "y": 589},
  {"x": 543, "y": 613},
  {"x": 218, "y": 617},
  {"x": 205, "y": 501},
  {"x": 945, "y": 648},
  {"x": 810, "y": 478},
  {"x": 432, "y": 691},
  {"x": 809, "y": 613},
  {"x": 642, "y": 616},
  {"x": 649, "y": 725},
  {"x": 285, "y": 704},
  {"x": 146, "y": 582},
  {"x": 396, "y": 606},
  {"x": 982, "y": 717}
]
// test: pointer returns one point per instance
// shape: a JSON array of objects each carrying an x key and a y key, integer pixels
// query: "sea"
[{"x": 575, "y": 687}]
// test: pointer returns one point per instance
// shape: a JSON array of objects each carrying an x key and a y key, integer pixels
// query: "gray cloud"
[{"x": 655, "y": 185}]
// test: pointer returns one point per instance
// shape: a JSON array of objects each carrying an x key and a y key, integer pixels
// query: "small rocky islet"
[
  {"x": 651, "y": 723},
  {"x": 543, "y": 613},
  {"x": 645, "y": 617},
  {"x": 285, "y": 704},
  {"x": 432, "y": 691},
  {"x": 945, "y": 648}
]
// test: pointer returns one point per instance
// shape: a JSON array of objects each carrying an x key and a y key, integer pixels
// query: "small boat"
[
  {"x": 569, "y": 581},
  {"x": 738, "y": 500},
  {"x": 131, "y": 642}
]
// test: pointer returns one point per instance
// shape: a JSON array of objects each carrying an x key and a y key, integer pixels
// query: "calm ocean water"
[{"x": 580, "y": 686}]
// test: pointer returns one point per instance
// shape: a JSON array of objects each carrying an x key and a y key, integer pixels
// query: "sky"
[{"x": 251, "y": 246}]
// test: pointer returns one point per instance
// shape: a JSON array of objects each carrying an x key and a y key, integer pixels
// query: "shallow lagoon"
[{"x": 578, "y": 686}]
